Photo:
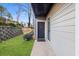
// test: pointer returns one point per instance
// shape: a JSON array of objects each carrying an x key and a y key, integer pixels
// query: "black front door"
[{"x": 41, "y": 31}]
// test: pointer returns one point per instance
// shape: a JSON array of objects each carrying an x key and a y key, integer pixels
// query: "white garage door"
[{"x": 62, "y": 30}]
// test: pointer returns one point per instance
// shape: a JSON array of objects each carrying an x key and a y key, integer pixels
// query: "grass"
[{"x": 16, "y": 47}]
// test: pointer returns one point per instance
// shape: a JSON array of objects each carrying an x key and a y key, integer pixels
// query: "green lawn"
[{"x": 16, "y": 47}]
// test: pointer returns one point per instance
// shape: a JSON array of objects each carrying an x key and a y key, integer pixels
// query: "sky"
[{"x": 13, "y": 8}]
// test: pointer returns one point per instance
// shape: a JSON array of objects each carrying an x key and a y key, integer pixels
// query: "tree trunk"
[
  {"x": 29, "y": 20},
  {"x": 29, "y": 17}
]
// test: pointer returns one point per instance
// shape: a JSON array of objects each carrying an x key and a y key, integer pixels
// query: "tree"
[
  {"x": 4, "y": 13},
  {"x": 2, "y": 9},
  {"x": 29, "y": 14},
  {"x": 19, "y": 11},
  {"x": 9, "y": 16},
  {"x": 24, "y": 8}
]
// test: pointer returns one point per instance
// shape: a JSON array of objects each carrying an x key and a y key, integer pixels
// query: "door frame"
[
  {"x": 37, "y": 27},
  {"x": 48, "y": 30}
]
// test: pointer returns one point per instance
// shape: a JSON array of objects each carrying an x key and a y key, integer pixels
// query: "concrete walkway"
[{"x": 42, "y": 49}]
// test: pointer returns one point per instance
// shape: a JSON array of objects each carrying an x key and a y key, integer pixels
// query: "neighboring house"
[
  {"x": 55, "y": 23},
  {"x": 5, "y": 20}
]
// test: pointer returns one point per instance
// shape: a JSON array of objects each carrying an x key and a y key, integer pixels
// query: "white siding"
[
  {"x": 77, "y": 30},
  {"x": 62, "y": 30}
]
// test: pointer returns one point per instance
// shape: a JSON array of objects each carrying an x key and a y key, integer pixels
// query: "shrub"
[
  {"x": 1, "y": 23},
  {"x": 28, "y": 36},
  {"x": 11, "y": 24}
]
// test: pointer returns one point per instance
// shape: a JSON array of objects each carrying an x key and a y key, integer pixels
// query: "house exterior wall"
[
  {"x": 34, "y": 22},
  {"x": 77, "y": 29},
  {"x": 62, "y": 28}
]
